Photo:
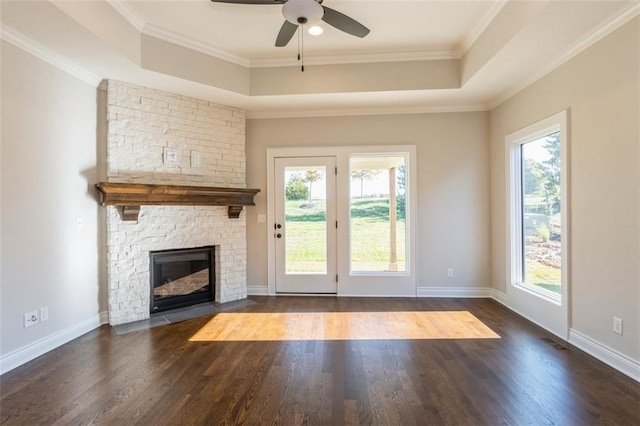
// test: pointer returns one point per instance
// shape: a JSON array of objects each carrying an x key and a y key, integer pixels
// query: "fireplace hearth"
[{"x": 181, "y": 277}]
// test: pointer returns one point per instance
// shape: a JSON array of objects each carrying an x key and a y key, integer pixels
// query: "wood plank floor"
[
  {"x": 159, "y": 376},
  {"x": 253, "y": 326}
]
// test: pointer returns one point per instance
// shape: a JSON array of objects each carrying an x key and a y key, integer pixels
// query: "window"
[
  {"x": 377, "y": 212},
  {"x": 305, "y": 223},
  {"x": 538, "y": 208}
]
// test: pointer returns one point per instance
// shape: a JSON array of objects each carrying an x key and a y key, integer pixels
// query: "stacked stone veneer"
[{"x": 141, "y": 123}]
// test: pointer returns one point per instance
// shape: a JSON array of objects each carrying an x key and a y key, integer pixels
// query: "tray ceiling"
[{"x": 421, "y": 56}]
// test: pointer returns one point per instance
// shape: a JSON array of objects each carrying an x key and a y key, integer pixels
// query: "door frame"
[
  {"x": 306, "y": 283},
  {"x": 348, "y": 284}
]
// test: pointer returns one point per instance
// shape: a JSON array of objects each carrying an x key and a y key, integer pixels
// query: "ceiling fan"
[{"x": 303, "y": 12}]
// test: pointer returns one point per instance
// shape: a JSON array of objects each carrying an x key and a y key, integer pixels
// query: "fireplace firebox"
[{"x": 182, "y": 277}]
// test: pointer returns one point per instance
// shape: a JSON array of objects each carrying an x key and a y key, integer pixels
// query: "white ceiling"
[
  {"x": 249, "y": 31},
  {"x": 499, "y": 47}
]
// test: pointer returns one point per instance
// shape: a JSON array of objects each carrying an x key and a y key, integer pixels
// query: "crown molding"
[
  {"x": 299, "y": 113},
  {"x": 627, "y": 13},
  {"x": 127, "y": 13},
  {"x": 480, "y": 27},
  {"x": 193, "y": 44},
  {"x": 208, "y": 49},
  {"x": 355, "y": 59},
  {"x": 39, "y": 51},
  {"x": 172, "y": 37}
]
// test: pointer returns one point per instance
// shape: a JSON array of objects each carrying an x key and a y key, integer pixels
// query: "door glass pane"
[
  {"x": 305, "y": 229},
  {"x": 541, "y": 225},
  {"x": 377, "y": 213}
]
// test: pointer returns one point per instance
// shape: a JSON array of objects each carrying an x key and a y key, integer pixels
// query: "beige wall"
[
  {"x": 600, "y": 88},
  {"x": 453, "y": 185},
  {"x": 48, "y": 170},
  {"x": 352, "y": 78}
]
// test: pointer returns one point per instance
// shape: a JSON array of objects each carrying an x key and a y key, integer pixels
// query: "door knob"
[
  {"x": 278, "y": 226},
  {"x": 279, "y": 235}
]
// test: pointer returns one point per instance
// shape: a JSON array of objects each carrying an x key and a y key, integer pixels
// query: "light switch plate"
[
  {"x": 617, "y": 325},
  {"x": 196, "y": 159}
]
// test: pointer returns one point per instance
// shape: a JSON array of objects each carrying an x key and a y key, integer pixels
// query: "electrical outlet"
[
  {"x": 30, "y": 318},
  {"x": 261, "y": 218},
  {"x": 617, "y": 325},
  {"x": 171, "y": 156},
  {"x": 44, "y": 314},
  {"x": 450, "y": 273}
]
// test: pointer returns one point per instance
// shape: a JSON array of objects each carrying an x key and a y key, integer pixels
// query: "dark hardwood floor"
[{"x": 158, "y": 376}]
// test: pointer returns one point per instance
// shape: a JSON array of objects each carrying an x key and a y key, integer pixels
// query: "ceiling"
[
  {"x": 249, "y": 31},
  {"x": 421, "y": 56}
]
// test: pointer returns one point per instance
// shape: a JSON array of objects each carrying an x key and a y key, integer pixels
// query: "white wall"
[
  {"x": 142, "y": 123},
  {"x": 600, "y": 88},
  {"x": 48, "y": 172},
  {"x": 453, "y": 185}
]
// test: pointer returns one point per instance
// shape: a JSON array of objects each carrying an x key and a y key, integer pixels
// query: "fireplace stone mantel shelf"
[{"x": 130, "y": 196}]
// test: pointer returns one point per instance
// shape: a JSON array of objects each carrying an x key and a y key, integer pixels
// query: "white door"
[{"x": 305, "y": 225}]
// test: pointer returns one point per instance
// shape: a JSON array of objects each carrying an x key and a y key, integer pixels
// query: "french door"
[
  {"x": 342, "y": 220},
  {"x": 304, "y": 231}
]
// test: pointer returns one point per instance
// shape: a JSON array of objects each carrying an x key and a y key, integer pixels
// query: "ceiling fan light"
[
  {"x": 310, "y": 10},
  {"x": 315, "y": 30}
]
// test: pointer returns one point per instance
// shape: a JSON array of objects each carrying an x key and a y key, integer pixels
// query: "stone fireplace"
[{"x": 207, "y": 146}]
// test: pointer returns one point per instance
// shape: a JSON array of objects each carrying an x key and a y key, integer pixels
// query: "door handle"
[
  {"x": 278, "y": 226},
  {"x": 278, "y": 235}
]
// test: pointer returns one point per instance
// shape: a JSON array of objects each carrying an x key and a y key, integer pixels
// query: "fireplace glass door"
[{"x": 181, "y": 277}]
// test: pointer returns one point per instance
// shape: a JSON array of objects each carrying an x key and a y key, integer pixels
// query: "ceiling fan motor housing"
[{"x": 302, "y": 11}]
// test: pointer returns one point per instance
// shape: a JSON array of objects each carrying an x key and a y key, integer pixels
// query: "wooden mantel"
[{"x": 130, "y": 196}]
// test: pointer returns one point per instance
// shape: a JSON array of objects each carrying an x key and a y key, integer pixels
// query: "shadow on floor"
[{"x": 181, "y": 314}]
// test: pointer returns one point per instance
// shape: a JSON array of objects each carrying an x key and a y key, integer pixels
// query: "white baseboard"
[
  {"x": 27, "y": 353},
  {"x": 613, "y": 358},
  {"x": 373, "y": 295},
  {"x": 609, "y": 356},
  {"x": 455, "y": 292},
  {"x": 473, "y": 292},
  {"x": 257, "y": 290},
  {"x": 499, "y": 297}
]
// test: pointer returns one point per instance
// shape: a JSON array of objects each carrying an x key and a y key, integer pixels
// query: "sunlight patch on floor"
[{"x": 278, "y": 326}]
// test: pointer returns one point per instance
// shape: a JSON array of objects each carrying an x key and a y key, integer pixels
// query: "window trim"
[{"x": 515, "y": 240}]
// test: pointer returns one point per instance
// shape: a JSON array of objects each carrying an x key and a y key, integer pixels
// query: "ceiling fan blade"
[
  {"x": 250, "y": 1},
  {"x": 286, "y": 33},
  {"x": 344, "y": 23}
]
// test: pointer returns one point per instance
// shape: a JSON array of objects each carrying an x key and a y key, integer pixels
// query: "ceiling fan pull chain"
[
  {"x": 298, "y": 30},
  {"x": 302, "y": 48}
]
